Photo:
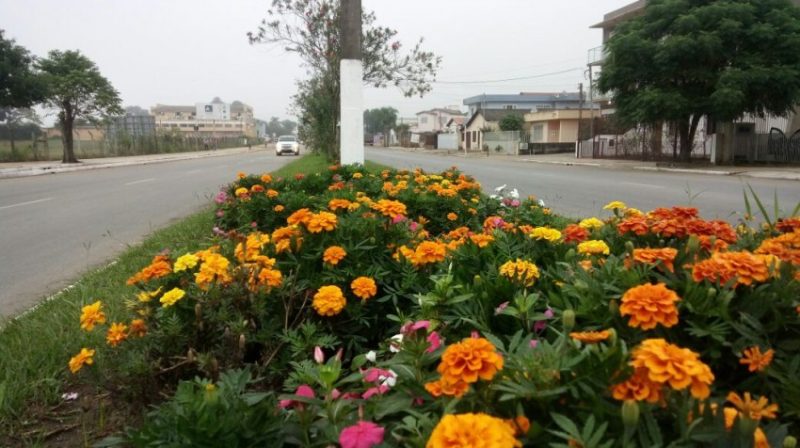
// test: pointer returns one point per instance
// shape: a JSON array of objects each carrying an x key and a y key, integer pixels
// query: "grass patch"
[{"x": 35, "y": 348}]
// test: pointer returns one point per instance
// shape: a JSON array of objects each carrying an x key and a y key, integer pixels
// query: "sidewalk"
[
  {"x": 566, "y": 159},
  {"x": 23, "y": 169}
]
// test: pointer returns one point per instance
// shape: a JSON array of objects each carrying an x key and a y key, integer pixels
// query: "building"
[
  {"x": 435, "y": 120},
  {"x": 558, "y": 125},
  {"x": 215, "y": 119},
  {"x": 481, "y": 121},
  {"x": 525, "y": 101},
  {"x": 79, "y": 133}
]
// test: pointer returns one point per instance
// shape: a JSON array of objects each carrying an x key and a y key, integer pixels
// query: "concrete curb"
[
  {"x": 9, "y": 173},
  {"x": 689, "y": 171}
]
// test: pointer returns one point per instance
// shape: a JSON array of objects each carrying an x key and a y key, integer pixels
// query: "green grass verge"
[{"x": 35, "y": 348}]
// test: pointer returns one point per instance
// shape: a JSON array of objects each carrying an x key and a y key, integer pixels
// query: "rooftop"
[
  {"x": 613, "y": 18},
  {"x": 523, "y": 97},
  {"x": 441, "y": 110}
]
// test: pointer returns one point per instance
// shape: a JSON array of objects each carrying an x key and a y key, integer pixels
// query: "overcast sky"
[{"x": 188, "y": 51}]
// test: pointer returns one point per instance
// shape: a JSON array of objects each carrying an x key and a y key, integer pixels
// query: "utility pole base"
[{"x": 351, "y": 147}]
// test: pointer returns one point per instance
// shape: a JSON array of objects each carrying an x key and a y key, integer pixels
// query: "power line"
[{"x": 511, "y": 79}]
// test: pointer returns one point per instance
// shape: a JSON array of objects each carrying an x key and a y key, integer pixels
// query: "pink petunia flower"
[
  {"x": 361, "y": 435},
  {"x": 411, "y": 327},
  {"x": 377, "y": 390},
  {"x": 435, "y": 342},
  {"x": 302, "y": 391}
]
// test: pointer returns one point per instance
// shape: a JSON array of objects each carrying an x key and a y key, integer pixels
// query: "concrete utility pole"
[
  {"x": 351, "y": 142},
  {"x": 580, "y": 120}
]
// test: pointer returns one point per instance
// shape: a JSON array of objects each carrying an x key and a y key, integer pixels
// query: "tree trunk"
[
  {"x": 686, "y": 143},
  {"x": 66, "y": 136}
]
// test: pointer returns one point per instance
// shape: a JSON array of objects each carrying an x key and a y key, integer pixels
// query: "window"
[
  {"x": 537, "y": 133},
  {"x": 423, "y": 119},
  {"x": 474, "y": 136},
  {"x": 510, "y": 106}
]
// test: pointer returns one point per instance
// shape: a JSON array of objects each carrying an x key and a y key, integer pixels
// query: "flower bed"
[{"x": 409, "y": 308}]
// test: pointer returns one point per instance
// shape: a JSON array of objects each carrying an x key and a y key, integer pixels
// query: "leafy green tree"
[
  {"x": 276, "y": 126},
  {"x": 77, "y": 89},
  {"x": 381, "y": 120},
  {"x": 511, "y": 122},
  {"x": 686, "y": 59},
  {"x": 20, "y": 85},
  {"x": 310, "y": 28}
]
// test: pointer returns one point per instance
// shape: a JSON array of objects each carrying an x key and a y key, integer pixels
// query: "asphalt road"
[
  {"x": 581, "y": 191},
  {"x": 54, "y": 227}
]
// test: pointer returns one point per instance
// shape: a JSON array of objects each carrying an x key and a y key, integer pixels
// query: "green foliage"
[
  {"x": 20, "y": 85},
  {"x": 380, "y": 120},
  {"x": 686, "y": 59},
  {"x": 207, "y": 414},
  {"x": 511, "y": 122},
  {"x": 278, "y": 127}
]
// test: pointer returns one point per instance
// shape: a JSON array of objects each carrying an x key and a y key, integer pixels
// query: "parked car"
[{"x": 287, "y": 144}]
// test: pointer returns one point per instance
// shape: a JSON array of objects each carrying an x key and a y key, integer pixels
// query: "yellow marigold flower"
[
  {"x": 591, "y": 223},
  {"x": 429, "y": 252},
  {"x": 472, "y": 431},
  {"x": 469, "y": 360},
  {"x": 214, "y": 268},
  {"x": 92, "y": 315},
  {"x": 184, "y": 262},
  {"x": 81, "y": 359},
  {"x": 357, "y": 175},
  {"x": 329, "y": 301},
  {"x": 615, "y": 205},
  {"x": 146, "y": 296},
  {"x": 322, "y": 221},
  {"x": 170, "y": 297},
  {"x": 629, "y": 212},
  {"x": 389, "y": 208},
  {"x": 250, "y": 249},
  {"x": 521, "y": 271},
  {"x": 545, "y": 233},
  {"x": 266, "y": 178},
  {"x": 665, "y": 363},
  {"x": 755, "y": 360},
  {"x": 364, "y": 288},
  {"x": 333, "y": 255},
  {"x": 271, "y": 278},
  {"x": 591, "y": 337},
  {"x": 301, "y": 216},
  {"x": 593, "y": 247},
  {"x": 452, "y": 216},
  {"x": 278, "y": 208},
  {"x": 650, "y": 305},
  {"x": 242, "y": 192},
  {"x": 481, "y": 240},
  {"x": 116, "y": 334},
  {"x": 138, "y": 328},
  {"x": 753, "y": 409}
]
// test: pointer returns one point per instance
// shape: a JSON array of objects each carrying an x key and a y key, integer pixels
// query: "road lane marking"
[
  {"x": 26, "y": 203},
  {"x": 141, "y": 181},
  {"x": 636, "y": 184}
]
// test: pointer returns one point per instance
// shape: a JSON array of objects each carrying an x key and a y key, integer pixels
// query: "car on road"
[{"x": 287, "y": 144}]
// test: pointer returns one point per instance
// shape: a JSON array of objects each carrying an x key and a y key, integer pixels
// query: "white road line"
[
  {"x": 141, "y": 181},
  {"x": 636, "y": 184},
  {"x": 26, "y": 203}
]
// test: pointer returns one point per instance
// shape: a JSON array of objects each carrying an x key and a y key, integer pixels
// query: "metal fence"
[{"x": 769, "y": 139}]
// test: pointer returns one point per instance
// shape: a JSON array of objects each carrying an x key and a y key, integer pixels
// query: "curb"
[{"x": 689, "y": 171}]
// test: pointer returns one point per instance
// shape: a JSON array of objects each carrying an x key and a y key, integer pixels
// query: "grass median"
[{"x": 35, "y": 347}]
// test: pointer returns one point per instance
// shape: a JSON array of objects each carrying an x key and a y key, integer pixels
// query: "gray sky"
[{"x": 187, "y": 51}]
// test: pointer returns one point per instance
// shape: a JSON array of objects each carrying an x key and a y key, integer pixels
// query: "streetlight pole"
[{"x": 351, "y": 142}]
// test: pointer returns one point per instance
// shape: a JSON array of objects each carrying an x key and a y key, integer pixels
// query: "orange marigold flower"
[
  {"x": 329, "y": 301},
  {"x": 429, "y": 252},
  {"x": 250, "y": 249},
  {"x": 138, "y": 328},
  {"x": 481, "y": 240},
  {"x": 755, "y": 360},
  {"x": 301, "y": 216},
  {"x": 472, "y": 431},
  {"x": 83, "y": 358},
  {"x": 469, "y": 360},
  {"x": 322, "y": 221},
  {"x": 520, "y": 424},
  {"x": 788, "y": 225},
  {"x": 753, "y": 409},
  {"x": 278, "y": 208},
  {"x": 638, "y": 387},
  {"x": 786, "y": 247},
  {"x": 650, "y": 305},
  {"x": 364, "y": 288},
  {"x": 452, "y": 216},
  {"x": 665, "y": 363},
  {"x": 665, "y": 255},
  {"x": 336, "y": 204},
  {"x": 745, "y": 267},
  {"x": 389, "y": 208},
  {"x": 333, "y": 255},
  {"x": 257, "y": 188},
  {"x": 591, "y": 337},
  {"x": 635, "y": 224},
  {"x": 521, "y": 271},
  {"x": 214, "y": 268},
  {"x": 443, "y": 387},
  {"x": 574, "y": 233},
  {"x": 92, "y": 315},
  {"x": 270, "y": 278},
  {"x": 272, "y": 194},
  {"x": 266, "y": 178},
  {"x": 116, "y": 334},
  {"x": 159, "y": 267}
]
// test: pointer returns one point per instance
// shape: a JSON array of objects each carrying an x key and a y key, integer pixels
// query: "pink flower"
[
  {"x": 398, "y": 219},
  {"x": 411, "y": 327},
  {"x": 220, "y": 213},
  {"x": 435, "y": 342},
  {"x": 374, "y": 374},
  {"x": 220, "y": 197},
  {"x": 319, "y": 357},
  {"x": 534, "y": 343},
  {"x": 549, "y": 313},
  {"x": 474, "y": 334},
  {"x": 377, "y": 390},
  {"x": 254, "y": 224},
  {"x": 500, "y": 308},
  {"x": 515, "y": 203},
  {"x": 361, "y": 435},
  {"x": 413, "y": 226},
  {"x": 302, "y": 391}
]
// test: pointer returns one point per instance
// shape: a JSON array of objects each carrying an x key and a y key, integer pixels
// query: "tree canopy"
[
  {"x": 686, "y": 59},
  {"x": 277, "y": 127},
  {"x": 310, "y": 28},
  {"x": 380, "y": 120},
  {"x": 77, "y": 89},
  {"x": 511, "y": 122},
  {"x": 20, "y": 86}
]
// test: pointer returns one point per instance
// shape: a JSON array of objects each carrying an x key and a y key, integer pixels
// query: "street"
[
  {"x": 55, "y": 227},
  {"x": 581, "y": 191}
]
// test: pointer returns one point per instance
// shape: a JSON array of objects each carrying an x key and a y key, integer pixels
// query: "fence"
[
  {"x": 502, "y": 142},
  {"x": 768, "y": 139}
]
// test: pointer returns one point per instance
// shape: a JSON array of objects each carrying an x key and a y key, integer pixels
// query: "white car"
[{"x": 287, "y": 144}]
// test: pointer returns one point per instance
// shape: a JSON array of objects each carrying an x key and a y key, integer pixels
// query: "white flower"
[
  {"x": 390, "y": 380},
  {"x": 371, "y": 356},
  {"x": 514, "y": 194},
  {"x": 500, "y": 188},
  {"x": 394, "y": 345},
  {"x": 541, "y": 203},
  {"x": 69, "y": 396}
]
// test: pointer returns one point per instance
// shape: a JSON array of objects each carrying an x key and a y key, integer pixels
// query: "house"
[
  {"x": 524, "y": 101},
  {"x": 482, "y": 121},
  {"x": 558, "y": 125},
  {"x": 213, "y": 119},
  {"x": 435, "y": 120}
]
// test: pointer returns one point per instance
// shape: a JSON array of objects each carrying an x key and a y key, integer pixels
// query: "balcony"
[{"x": 597, "y": 55}]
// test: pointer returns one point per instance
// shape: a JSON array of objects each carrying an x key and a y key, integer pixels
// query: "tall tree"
[
  {"x": 20, "y": 85},
  {"x": 686, "y": 59},
  {"x": 16, "y": 119},
  {"x": 77, "y": 89},
  {"x": 278, "y": 127},
  {"x": 511, "y": 122},
  {"x": 381, "y": 120},
  {"x": 310, "y": 28}
]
